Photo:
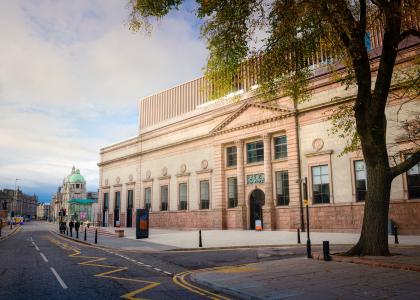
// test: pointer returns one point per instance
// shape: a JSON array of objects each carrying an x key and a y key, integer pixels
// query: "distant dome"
[{"x": 76, "y": 177}]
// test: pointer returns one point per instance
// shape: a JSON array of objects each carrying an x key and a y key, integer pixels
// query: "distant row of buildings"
[{"x": 15, "y": 202}]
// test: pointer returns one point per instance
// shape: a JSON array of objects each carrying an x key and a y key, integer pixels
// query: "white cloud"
[{"x": 71, "y": 75}]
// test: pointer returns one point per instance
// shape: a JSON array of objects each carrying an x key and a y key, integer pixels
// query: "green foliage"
[{"x": 344, "y": 126}]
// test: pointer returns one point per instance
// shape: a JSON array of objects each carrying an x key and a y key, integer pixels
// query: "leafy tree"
[{"x": 286, "y": 34}]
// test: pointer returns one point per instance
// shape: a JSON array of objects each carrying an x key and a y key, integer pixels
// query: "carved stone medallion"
[
  {"x": 318, "y": 144},
  {"x": 204, "y": 164}
]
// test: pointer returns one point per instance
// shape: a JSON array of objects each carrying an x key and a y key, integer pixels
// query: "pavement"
[
  {"x": 165, "y": 239},
  {"x": 6, "y": 231},
  {"x": 301, "y": 278}
]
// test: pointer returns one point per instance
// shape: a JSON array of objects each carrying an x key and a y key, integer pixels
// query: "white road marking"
[
  {"x": 63, "y": 285},
  {"x": 36, "y": 247},
  {"x": 43, "y": 256},
  {"x": 157, "y": 269},
  {"x": 167, "y": 272},
  {"x": 149, "y": 266}
]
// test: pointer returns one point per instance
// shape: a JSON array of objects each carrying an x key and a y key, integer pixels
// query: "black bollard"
[
  {"x": 326, "y": 250},
  {"x": 298, "y": 236},
  {"x": 71, "y": 232},
  {"x": 67, "y": 231},
  {"x": 396, "y": 235},
  {"x": 85, "y": 235},
  {"x": 77, "y": 234},
  {"x": 0, "y": 231},
  {"x": 96, "y": 236},
  {"x": 200, "y": 242}
]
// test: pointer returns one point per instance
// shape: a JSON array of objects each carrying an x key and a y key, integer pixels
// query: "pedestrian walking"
[
  {"x": 71, "y": 225},
  {"x": 77, "y": 226}
]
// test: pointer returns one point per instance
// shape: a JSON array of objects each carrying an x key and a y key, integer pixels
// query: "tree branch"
[
  {"x": 409, "y": 32},
  {"x": 405, "y": 165}
]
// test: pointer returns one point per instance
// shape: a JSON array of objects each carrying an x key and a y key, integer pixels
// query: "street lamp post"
[{"x": 306, "y": 203}]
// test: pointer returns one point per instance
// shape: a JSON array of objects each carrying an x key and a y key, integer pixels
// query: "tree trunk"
[{"x": 374, "y": 236}]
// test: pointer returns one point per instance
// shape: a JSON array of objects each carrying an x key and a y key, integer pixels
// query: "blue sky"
[{"x": 71, "y": 76}]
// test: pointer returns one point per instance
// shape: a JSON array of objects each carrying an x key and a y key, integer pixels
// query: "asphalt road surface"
[{"x": 36, "y": 263}]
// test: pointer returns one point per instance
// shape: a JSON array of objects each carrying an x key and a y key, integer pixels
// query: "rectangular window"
[
  {"x": 130, "y": 196},
  {"x": 231, "y": 156},
  {"x": 106, "y": 201},
  {"x": 164, "y": 197},
  {"x": 320, "y": 184},
  {"x": 148, "y": 198},
  {"x": 204, "y": 194},
  {"x": 183, "y": 197},
  {"x": 360, "y": 179},
  {"x": 255, "y": 152},
  {"x": 232, "y": 192},
  {"x": 117, "y": 200},
  {"x": 280, "y": 147},
  {"x": 413, "y": 182},
  {"x": 282, "y": 187}
]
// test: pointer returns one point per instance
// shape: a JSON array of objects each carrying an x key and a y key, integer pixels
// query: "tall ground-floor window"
[
  {"x": 360, "y": 180},
  {"x": 164, "y": 197},
  {"x": 413, "y": 182},
  {"x": 182, "y": 196},
  {"x": 282, "y": 188},
  {"x": 117, "y": 208},
  {"x": 130, "y": 205},
  {"x": 204, "y": 194},
  {"x": 148, "y": 198},
  {"x": 232, "y": 192},
  {"x": 105, "y": 210},
  {"x": 320, "y": 184}
]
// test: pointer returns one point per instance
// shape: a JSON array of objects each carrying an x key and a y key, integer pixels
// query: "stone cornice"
[
  {"x": 204, "y": 171},
  {"x": 310, "y": 154},
  {"x": 117, "y": 185},
  {"x": 165, "y": 177},
  {"x": 186, "y": 174},
  {"x": 147, "y": 180},
  {"x": 130, "y": 183}
]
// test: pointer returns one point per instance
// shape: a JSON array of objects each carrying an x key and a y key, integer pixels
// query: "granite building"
[{"x": 222, "y": 164}]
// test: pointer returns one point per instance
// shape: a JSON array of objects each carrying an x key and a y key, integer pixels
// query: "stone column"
[
  {"x": 268, "y": 208},
  {"x": 240, "y": 175}
]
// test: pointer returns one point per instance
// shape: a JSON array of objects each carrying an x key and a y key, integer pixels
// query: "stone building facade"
[
  {"x": 18, "y": 202},
  {"x": 223, "y": 164},
  {"x": 72, "y": 198}
]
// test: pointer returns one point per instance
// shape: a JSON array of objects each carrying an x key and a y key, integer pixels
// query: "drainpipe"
[{"x": 302, "y": 223}]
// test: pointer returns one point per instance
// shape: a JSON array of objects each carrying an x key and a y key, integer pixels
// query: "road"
[{"x": 36, "y": 263}]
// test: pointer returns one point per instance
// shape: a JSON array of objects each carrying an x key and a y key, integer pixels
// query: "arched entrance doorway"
[{"x": 256, "y": 202}]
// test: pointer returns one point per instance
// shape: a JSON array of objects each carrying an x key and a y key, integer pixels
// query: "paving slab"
[{"x": 311, "y": 279}]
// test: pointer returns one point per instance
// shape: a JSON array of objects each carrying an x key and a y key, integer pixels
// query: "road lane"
[{"x": 67, "y": 270}]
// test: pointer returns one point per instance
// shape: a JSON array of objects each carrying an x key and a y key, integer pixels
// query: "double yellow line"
[
  {"x": 180, "y": 280},
  {"x": 93, "y": 261}
]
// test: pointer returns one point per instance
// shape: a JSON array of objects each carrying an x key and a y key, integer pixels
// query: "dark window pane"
[
  {"x": 148, "y": 198},
  {"x": 232, "y": 192},
  {"x": 282, "y": 187},
  {"x": 106, "y": 201},
  {"x": 164, "y": 197},
  {"x": 231, "y": 156},
  {"x": 280, "y": 147},
  {"x": 130, "y": 199},
  {"x": 204, "y": 194},
  {"x": 255, "y": 152},
  {"x": 360, "y": 179},
  {"x": 183, "y": 196},
  {"x": 320, "y": 184},
  {"x": 117, "y": 200},
  {"x": 413, "y": 182}
]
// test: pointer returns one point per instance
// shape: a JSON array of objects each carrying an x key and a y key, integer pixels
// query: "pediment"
[{"x": 251, "y": 114}]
